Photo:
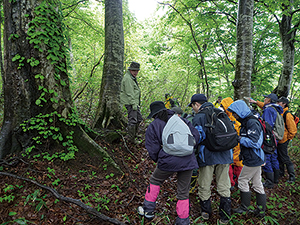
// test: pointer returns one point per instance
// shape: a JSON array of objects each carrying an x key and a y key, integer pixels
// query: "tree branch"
[{"x": 87, "y": 208}]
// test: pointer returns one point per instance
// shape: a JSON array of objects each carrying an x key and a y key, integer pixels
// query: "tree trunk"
[
  {"x": 287, "y": 36},
  {"x": 38, "y": 108},
  {"x": 109, "y": 114},
  {"x": 244, "y": 54}
]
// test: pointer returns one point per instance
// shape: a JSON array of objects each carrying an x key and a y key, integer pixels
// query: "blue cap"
[
  {"x": 197, "y": 98},
  {"x": 272, "y": 96}
]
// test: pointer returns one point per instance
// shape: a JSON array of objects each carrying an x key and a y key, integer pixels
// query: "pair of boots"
[
  {"x": 245, "y": 203},
  {"x": 147, "y": 210},
  {"x": 224, "y": 209},
  {"x": 290, "y": 170},
  {"x": 271, "y": 178}
]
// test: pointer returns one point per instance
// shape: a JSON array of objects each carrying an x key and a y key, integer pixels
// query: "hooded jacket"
[
  {"x": 290, "y": 128},
  {"x": 226, "y": 102},
  {"x": 165, "y": 161},
  {"x": 207, "y": 157},
  {"x": 270, "y": 113},
  {"x": 251, "y": 135},
  {"x": 130, "y": 92}
]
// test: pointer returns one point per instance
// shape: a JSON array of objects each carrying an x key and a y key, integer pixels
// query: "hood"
[
  {"x": 226, "y": 102},
  {"x": 240, "y": 108},
  {"x": 206, "y": 104},
  {"x": 276, "y": 106}
]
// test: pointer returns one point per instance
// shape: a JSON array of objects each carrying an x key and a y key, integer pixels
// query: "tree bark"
[
  {"x": 37, "y": 98},
  {"x": 287, "y": 36},
  {"x": 109, "y": 113},
  {"x": 244, "y": 54}
]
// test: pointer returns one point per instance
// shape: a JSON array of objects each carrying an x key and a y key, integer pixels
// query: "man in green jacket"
[{"x": 130, "y": 97}]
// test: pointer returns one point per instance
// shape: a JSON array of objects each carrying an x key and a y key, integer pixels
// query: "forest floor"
[{"x": 118, "y": 196}]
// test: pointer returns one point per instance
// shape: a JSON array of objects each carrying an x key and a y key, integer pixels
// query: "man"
[
  {"x": 210, "y": 162},
  {"x": 170, "y": 102},
  {"x": 290, "y": 131},
  {"x": 270, "y": 109},
  {"x": 251, "y": 138},
  {"x": 130, "y": 97},
  {"x": 218, "y": 102}
]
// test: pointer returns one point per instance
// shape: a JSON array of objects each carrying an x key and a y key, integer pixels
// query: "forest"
[{"x": 64, "y": 158}]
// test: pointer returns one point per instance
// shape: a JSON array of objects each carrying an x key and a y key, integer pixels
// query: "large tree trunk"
[
  {"x": 109, "y": 113},
  {"x": 36, "y": 83},
  {"x": 244, "y": 54},
  {"x": 287, "y": 36}
]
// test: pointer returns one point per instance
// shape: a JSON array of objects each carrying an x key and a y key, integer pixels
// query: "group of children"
[{"x": 234, "y": 167}]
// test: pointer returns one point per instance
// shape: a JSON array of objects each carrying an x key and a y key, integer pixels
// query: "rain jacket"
[
  {"x": 165, "y": 161},
  {"x": 207, "y": 157},
  {"x": 130, "y": 91},
  {"x": 226, "y": 102},
  {"x": 251, "y": 135},
  {"x": 269, "y": 113},
  {"x": 290, "y": 128}
]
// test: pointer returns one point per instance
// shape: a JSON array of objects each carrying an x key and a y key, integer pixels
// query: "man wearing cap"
[
  {"x": 270, "y": 109},
  {"x": 130, "y": 97},
  {"x": 210, "y": 163},
  {"x": 290, "y": 131}
]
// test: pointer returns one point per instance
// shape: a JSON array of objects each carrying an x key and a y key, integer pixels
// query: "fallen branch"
[{"x": 87, "y": 208}]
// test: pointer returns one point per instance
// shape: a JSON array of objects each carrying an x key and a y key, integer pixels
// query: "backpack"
[
  {"x": 177, "y": 137},
  {"x": 269, "y": 143},
  {"x": 296, "y": 118},
  {"x": 220, "y": 132},
  {"x": 278, "y": 126}
]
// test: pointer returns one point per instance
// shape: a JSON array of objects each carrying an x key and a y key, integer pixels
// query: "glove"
[{"x": 134, "y": 107}]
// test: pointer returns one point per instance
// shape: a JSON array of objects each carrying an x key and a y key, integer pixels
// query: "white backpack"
[{"x": 177, "y": 137}]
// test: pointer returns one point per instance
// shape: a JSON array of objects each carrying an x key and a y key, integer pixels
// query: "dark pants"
[
  {"x": 183, "y": 181},
  {"x": 134, "y": 116},
  {"x": 283, "y": 156}
]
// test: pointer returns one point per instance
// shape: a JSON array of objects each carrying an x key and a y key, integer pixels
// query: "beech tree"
[
  {"x": 109, "y": 112},
  {"x": 244, "y": 53},
  {"x": 38, "y": 109}
]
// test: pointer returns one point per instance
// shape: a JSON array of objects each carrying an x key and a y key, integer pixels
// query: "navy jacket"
[
  {"x": 165, "y": 161},
  {"x": 207, "y": 157},
  {"x": 251, "y": 135}
]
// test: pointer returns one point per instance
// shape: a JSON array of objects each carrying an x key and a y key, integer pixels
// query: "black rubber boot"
[
  {"x": 225, "y": 210},
  {"x": 205, "y": 209},
  {"x": 269, "y": 183},
  {"x": 261, "y": 201},
  {"x": 281, "y": 168},
  {"x": 245, "y": 203},
  {"x": 291, "y": 173},
  {"x": 276, "y": 176}
]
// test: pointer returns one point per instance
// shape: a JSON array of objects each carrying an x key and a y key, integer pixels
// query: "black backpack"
[
  {"x": 220, "y": 132},
  {"x": 269, "y": 143}
]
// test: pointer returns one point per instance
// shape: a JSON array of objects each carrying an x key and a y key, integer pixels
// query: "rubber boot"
[
  {"x": 269, "y": 183},
  {"x": 205, "y": 209},
  {"x": 281, "y": 168},
  {"x": 245, "y": 203},
  {"x": 276, "y": 176},
  {"x": 131, "y": 134},
  {"x": 182, "y": 209},
  {"x": 291, "y": 173},
  {"x": 137, "y": 131},
  {"x": 225, "y": 210},
  {"x": 147, "y": 210},
  {"x": 260, "y": 205}
]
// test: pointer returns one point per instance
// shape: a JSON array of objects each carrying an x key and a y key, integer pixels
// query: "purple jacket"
[{"x": 165, "y": 161}]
